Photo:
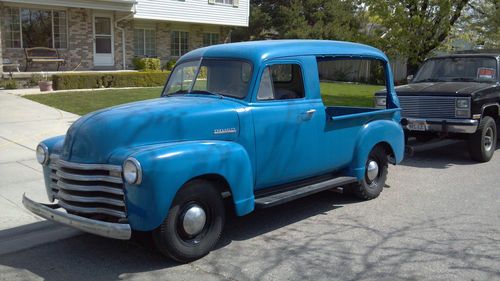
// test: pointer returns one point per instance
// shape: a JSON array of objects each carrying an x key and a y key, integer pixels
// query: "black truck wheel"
[
  {"x": 194, "y": 222},
  {"x": 482, "y": 143},
  {"x": 375, "y": 175}
]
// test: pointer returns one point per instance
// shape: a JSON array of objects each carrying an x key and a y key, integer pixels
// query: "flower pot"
[{"x": 45, "y": 86}]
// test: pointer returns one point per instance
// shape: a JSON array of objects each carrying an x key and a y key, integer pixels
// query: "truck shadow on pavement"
[
  {"x": 442, "y": 157},
  {"x": 89, "y": 257}
]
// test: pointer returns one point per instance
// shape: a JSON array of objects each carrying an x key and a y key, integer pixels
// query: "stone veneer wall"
[
  {"x": 79, "y": 53},
  {"x": 80, "y": 44}
]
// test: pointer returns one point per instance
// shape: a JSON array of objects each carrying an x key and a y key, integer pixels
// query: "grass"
[{"x": 87, "y": 101}]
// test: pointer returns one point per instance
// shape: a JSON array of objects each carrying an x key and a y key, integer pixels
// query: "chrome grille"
[
  {"x": 427, "y": 107},
  {"x": 88, "y": 189}
]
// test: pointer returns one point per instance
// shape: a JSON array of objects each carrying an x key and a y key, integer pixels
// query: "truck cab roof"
[{"x": 260, "y": 51}]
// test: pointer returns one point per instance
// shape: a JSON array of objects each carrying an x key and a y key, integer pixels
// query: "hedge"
[
  {"x": 67, "y": 81},
  {"x": 146, "y": 64}
]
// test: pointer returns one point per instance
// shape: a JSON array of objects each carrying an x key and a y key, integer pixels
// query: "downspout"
[{"x": 124, "y": 64}]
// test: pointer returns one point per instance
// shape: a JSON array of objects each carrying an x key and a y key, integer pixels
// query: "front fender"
[
  {"x": 373, "y": 133},
  {"x": 167, "y": 167}
]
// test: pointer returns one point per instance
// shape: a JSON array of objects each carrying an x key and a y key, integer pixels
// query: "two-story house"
[{"x": 108, "y": 34}]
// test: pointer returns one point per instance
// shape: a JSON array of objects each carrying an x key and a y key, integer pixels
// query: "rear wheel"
[
  {"x": 194, "y": 222},
  {"x": 482, "y": 143},
  {"x": 375, "y": 175}
]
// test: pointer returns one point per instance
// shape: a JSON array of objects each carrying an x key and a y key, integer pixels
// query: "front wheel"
[
  {"x": 375, "y": 175},
  {"x": 194, "y": 222},
  {"x": 483, "y": 142}
]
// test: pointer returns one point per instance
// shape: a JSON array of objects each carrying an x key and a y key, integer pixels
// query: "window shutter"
[
  {"x": 236, "y": 3},
  {"x": 211, "y": 1}
]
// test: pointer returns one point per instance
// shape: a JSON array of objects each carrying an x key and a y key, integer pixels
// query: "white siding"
[{"x": 194, "y": 11}]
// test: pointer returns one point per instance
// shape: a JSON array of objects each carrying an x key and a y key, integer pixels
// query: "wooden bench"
[{"x": 42, "y": 55}]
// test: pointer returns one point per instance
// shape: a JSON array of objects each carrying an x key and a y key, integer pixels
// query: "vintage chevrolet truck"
[{"x": 229, "y": 131}]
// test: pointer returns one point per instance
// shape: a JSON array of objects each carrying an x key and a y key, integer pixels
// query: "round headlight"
[
  {"x": 42, "y": 154},
  {"x": 132, "y": 172}
]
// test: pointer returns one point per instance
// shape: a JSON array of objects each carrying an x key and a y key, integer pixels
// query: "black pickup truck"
[{"x": 453, "y": 96}]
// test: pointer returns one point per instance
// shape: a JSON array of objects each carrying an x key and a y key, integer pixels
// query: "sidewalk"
[{"x": 23, "y": 124}]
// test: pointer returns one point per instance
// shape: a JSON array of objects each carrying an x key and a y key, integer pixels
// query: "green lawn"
[{"x": 88, "y": 101}]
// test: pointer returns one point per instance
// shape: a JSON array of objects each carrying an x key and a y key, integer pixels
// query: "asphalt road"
[{"x": 438, "y": 219}]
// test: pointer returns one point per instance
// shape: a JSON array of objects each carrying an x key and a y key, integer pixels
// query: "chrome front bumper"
[
  {"x": 465, "y": 126},
  {"x": 106, "y": 229}
]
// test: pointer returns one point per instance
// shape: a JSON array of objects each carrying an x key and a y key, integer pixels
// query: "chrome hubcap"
[
  {"x": 194, "y": 220},
  {"x": 372, "y": 170},
  {"x": 488, "y": 139}
]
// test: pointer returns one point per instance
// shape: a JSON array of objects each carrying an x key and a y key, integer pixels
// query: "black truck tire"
[
  {"x": 182, "y": 236},
  {"x": 482, "y": 143},
  {"x": 371, "y": 186}
]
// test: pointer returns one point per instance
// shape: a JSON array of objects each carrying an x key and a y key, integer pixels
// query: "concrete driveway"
[
  {"x": 438, "y": 219},
  {"x": 23, "y": 124}
]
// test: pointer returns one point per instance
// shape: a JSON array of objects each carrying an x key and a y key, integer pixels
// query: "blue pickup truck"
[{"x": 238, "y": 125}]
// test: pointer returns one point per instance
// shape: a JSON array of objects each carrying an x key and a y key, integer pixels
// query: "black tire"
[
  {"x": 172, "y": 240},
  {"x": 369, "y": 189},
  {"x": 482, "y": 143}
]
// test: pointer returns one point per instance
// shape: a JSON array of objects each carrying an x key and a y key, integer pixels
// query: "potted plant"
[{"x": 44, "y": 84}]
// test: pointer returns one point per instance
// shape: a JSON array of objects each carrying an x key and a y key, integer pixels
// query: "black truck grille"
[{"x": 428, "y": 107}]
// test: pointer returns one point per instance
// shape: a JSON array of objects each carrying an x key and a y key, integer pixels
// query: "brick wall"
[{"x": 79, "y": 54}]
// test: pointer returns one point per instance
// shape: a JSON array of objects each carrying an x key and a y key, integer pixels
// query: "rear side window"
[
  {"x": 351, "y": 82},
  {"x": 281, "y": 82}
]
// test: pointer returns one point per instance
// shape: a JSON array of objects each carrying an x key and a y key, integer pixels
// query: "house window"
[
  {"x": 210, "y": 39},
  {"x": 27, "y": 28},
  {"x": 179, "y": 45},
  {"x": 227, "y": 2},
  {"x": 145, "y": 42}
]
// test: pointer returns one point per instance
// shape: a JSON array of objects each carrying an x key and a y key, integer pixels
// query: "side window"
[
  {"x": 281, "y": 82},
  {"x": 351, "y": 82}
]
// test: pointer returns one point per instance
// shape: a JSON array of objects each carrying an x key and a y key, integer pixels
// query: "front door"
[
  {"x": 103, "y": 41},
  {"x": 288, "y": 127}
]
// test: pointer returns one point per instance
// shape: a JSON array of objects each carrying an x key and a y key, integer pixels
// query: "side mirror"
[{"x": 409, "y": 78}]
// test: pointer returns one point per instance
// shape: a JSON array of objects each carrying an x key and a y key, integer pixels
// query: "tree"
[
  {"x": 318, "y": 19},
  {"x": 414, "y": 28}
]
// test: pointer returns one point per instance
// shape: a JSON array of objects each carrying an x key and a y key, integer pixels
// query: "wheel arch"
[
  {"x": 168, "y": 168},
  {"x": 492, "y": 110}
]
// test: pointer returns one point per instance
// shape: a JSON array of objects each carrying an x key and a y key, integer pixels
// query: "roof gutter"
[{"x": 131, "y": 15}]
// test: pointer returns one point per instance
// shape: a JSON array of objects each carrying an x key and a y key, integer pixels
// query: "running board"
[{"x": 289, "y": 195}]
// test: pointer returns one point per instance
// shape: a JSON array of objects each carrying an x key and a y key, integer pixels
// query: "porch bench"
[{"x": 42, "y": 55}]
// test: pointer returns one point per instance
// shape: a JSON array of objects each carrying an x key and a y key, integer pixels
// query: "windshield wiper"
[
  {"x": 430, "y": 80},
  {"x": 464, "y": 79},
  {"x": 202, "y": 92},
  {"x": 179, "y": 92}
]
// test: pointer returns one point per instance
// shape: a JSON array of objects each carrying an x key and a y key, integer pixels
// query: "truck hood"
[
  {"x": 439, "y": 89},
  {"x": 94, "y": 137},
  {"x": 442, "y": 88}
]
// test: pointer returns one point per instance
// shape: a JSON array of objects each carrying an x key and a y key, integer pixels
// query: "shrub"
[
  {"x": 10, "y": 84},
  {"x": 34, "y": 79},
  {"x": 146, "y": 64},
  {"x": 169, "y": 65},
  {"x": 68, "y": 81}
]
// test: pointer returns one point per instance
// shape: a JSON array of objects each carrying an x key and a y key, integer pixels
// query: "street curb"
[{"x": 32, "y": 235}]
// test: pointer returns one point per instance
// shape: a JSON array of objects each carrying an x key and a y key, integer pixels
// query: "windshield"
[
  {"x": 210, "y": 76},
  {"x": 467, "y": 69}
]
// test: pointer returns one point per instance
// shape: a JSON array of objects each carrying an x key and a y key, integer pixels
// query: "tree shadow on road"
[
  {"x": 89, "y": 257},
  {"x": 442, "y": 157},
  {"x": 296, "y": 241}
]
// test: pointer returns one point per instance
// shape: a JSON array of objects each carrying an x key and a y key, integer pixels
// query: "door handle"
[{"x": 306, "y": 116}]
